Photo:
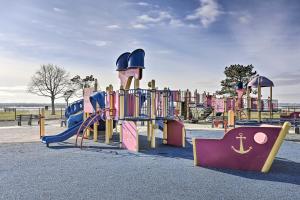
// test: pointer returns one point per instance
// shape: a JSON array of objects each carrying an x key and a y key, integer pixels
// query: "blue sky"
[{"x": 187, "y": 43}]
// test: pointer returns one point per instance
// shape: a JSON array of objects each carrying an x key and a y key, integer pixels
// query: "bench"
[{"x": 26, "y": 117}]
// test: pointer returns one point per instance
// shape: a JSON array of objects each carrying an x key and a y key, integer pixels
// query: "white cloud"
[
  {"x": 207, "y": 13},
  {"x": 34, "y": 21},
  {"x": 98, "y": 43},
  {"x": 164, "y": 51},
  {"x": 113, "y": 26},
  {"x": 176, "y": 23},
  {"x": 192, "y": 26},
  {"x": 58, "y": 10},
  {"x": 143, "y": 4},
  {"x": 161, "y": 16},
  {"x": 139, "y": 26},
  {"x": 158, "y": 17},
  {"x": 245, "y": 19}
]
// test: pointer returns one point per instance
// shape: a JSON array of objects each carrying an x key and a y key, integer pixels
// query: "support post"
[
  {"x": 137, "y": 107},
  {"x": 88, "y": 133},
  {"x": 271, "y": 104},
  {"x": 42, "y": 123},
  {"x": 259, "y": 101},
  {"x": 107, "y": 127},
  {"x": 188, "y": 98},
  {"x": 153, "y": 114},
  {"x": 95, "y": 132},
  {"x": 165, "y": 132},
  {"x": 121, "y": 112},
  {"x": 224, "y": 112},
  {"x": 248, "y": 104},
  {"x": 111, "y": 110},
  {"x": 137, "y": 103},
  {"x": 165, "y": 114}
]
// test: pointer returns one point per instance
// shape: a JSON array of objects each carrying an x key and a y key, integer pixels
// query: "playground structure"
[
  {"x": 102, "y": 110},
  {"x": 242, "y": 148},
  {"x": 155, "y": 107},
  {"x": 238, "y": 110},
  {"x": 83, "y": 116}
]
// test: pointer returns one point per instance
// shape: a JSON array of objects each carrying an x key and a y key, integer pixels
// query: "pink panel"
[
  {"x": 213, "y": 101},
  {"x": 129, "y": 136},
  {"x": 124, "y": 75},
  {"x": 87, "y": 92},
  {"x": 227, "y": 152},
  {"x": 174, "y": 135},
  {"x": 107, "y": 105},
  {"x": 219, "y": 105},
  {"x": 230, "y": 104}
]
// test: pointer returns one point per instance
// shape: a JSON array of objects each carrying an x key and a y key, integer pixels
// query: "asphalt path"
[{"x": 33, "y": 171}]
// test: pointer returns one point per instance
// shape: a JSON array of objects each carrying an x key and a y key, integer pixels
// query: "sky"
[{"x": 187, "y": 43}]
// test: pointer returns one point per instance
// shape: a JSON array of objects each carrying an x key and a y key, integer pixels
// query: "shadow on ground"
[{"x": 282, "y": 170}]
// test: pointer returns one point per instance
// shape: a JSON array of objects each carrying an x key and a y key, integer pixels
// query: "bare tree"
[{"x": 50, "y": 81}]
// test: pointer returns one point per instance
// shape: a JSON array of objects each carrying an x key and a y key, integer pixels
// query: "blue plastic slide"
[
  {"x": 74, "y": 115},
  {"x": 62, "y": 136}
]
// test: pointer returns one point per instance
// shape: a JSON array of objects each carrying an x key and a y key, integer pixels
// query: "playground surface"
[{"x": 30, "y": 170}]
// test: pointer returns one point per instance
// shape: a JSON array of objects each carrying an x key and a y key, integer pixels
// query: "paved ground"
[{"x": 29, "y": 170}]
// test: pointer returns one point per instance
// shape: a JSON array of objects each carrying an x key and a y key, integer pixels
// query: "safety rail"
[
  {"x": 265, "y": 104},
  {"x": 253, "y": 105},
  {"x": 163, "y": 104}
]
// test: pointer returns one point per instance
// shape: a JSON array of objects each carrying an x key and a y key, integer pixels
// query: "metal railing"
[{"x": 164, "y": 104}]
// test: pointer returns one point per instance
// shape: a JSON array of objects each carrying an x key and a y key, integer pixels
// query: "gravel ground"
[{"x": 32, "y": 171}]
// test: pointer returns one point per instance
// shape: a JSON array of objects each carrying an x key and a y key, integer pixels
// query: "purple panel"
[
  {"x": 221, "y": 153},
  {"x": 262, "y": 81},
  {"x": 174, "y": 135}
]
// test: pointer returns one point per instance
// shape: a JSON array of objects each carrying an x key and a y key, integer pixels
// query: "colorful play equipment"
[
  {"x": 155, "y": 107},
  {"x": 81, "y": 114},
  {"x": 127, "y": 109},
  {"x": 243, "y": 148},
  {"x": 230, "y": 111},
  {"x": 292, "y": 115},
  {"x": 100, "y": 110}
]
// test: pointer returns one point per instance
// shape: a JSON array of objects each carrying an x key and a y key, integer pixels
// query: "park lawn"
[{"x": 6, "y": 116}]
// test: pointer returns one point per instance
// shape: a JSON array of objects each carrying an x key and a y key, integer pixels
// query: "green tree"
[
  {"x": 79, "y": 83},
  {"x": 235, "y": 74}
]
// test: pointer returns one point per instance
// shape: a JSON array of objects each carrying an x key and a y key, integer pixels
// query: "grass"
[{"x": 6, "y": 116}]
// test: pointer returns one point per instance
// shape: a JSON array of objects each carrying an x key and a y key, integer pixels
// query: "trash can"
[{"x": 297, "y": 130}]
